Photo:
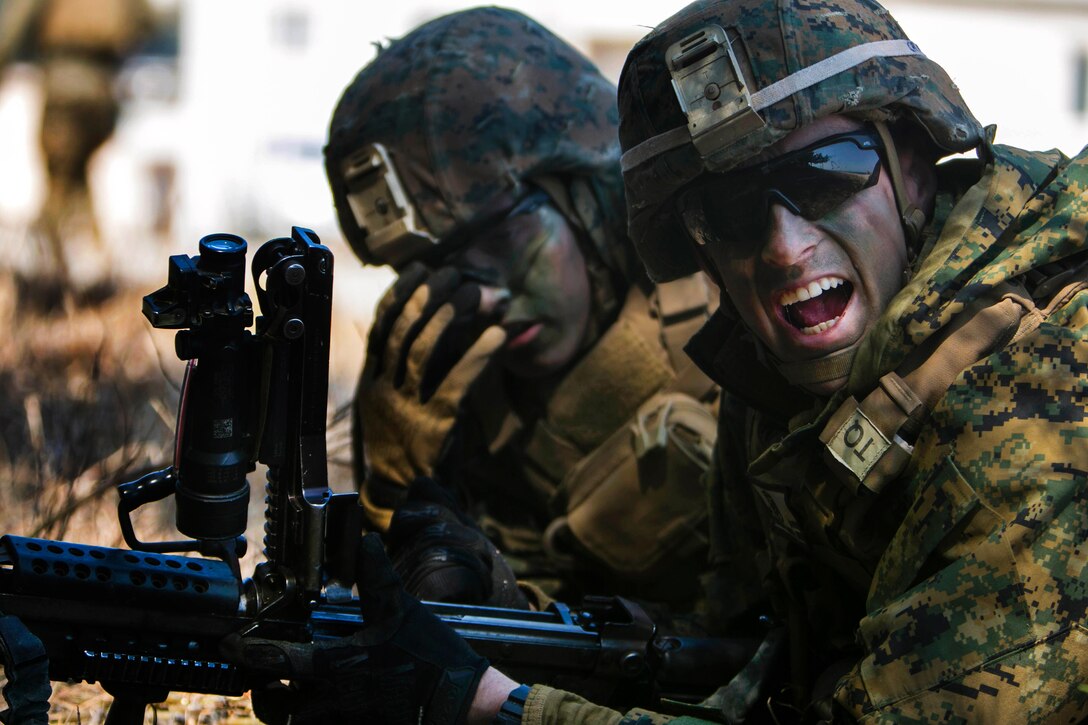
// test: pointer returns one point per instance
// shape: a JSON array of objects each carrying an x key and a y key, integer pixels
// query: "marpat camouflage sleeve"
[{"x": 977, "y": 611}]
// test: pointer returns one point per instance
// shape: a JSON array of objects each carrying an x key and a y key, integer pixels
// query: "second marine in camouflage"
[
  {"x": 522, "y": 359},
  {"x": 79, "y": 47}
]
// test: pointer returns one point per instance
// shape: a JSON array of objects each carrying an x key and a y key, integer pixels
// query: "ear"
[{"x": 919, "y": 174}]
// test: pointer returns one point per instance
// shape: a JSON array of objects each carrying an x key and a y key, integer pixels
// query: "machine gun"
[{"x": 149, "y": 620}]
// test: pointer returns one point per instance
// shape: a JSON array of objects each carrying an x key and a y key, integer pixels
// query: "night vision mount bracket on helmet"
[
  {"x": 711, "y": 89},
  {"x": 391, "y": 229},
  {"x": 719, "y": 104}
]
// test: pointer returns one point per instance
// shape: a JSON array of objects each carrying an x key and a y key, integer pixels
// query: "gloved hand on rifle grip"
[
  {"x": 427, "y": 346},
  {"x": 442, "y": 555},
  {"x": 403, "y": 666},
  {"x": 26, "y": 667}
]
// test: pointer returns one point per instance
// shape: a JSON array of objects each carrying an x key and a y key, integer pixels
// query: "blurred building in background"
[{"x": 226, "y": 109}]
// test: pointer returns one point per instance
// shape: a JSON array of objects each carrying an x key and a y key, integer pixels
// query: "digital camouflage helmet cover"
[
  {"x": 450, "y": 125},
  {"x": 719, "y": 82}
]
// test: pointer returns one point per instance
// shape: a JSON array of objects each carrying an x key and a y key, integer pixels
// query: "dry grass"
[
  {"x": 84, "y": 704},
  {"x": 88, "y": 396},
  {"x": 87, "y": 400}
]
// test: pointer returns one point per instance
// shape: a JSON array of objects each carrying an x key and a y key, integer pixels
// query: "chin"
[{"x": 531, "y": 369}]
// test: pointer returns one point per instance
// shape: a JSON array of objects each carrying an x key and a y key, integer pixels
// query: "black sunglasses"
[{"x": 733, "y": 207}]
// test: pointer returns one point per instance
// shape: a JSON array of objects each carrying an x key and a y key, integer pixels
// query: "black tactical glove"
[
  {"x": 442, "y": 555},
  {"x": 404, "y": 666},
  {"x": 28, "y": 689}
]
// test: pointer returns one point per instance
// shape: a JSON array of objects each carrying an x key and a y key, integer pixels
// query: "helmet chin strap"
[
  {"x": 912, "y": 218},
  {"x": 810, "y": 374}
]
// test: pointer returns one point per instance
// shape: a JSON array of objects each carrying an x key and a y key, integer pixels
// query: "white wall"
[{"x": 1014, "y": 65}]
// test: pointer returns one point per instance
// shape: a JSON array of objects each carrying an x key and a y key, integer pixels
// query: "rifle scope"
[{"x": 205, "y": 300}]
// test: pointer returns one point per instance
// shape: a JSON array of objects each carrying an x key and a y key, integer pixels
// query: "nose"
[
  {"x": 494, "y": 301},
  {"x": 790, "y": 238}
]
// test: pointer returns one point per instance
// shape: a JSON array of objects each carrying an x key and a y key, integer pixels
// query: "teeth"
[
  {"x": 821, "y": 326},
  {"x": 813, "y": 289}
]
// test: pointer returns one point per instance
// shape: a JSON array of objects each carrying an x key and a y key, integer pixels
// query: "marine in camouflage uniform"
[
  {"x": 79, "y": 46},
  {"x": 919, "y": 533},
  {"x": 585, "y": 472}
]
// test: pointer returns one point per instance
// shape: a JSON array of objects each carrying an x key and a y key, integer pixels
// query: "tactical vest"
[{"x": 621, "y": 450}]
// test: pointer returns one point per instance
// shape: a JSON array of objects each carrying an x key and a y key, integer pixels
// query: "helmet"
[
  {"x": 719, "y": 82},
  {"x": 454, "y": 123}
]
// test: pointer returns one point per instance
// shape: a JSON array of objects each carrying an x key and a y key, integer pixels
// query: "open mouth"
[{"x": 818, "y": 306}]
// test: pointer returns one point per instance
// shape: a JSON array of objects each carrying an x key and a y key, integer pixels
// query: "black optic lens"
[
  {"x": 732, "y": 208},
  {"x": 827, "y": 177}
]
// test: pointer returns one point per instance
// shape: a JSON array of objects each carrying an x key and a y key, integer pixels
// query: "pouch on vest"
[{"x": 637, "y": 503}]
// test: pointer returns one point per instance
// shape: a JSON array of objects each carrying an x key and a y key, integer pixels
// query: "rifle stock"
[{"x": 149, "y": 620}]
